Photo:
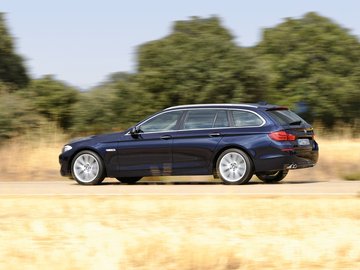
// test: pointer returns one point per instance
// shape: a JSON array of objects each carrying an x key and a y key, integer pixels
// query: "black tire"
[
  {"x": 128, "y": 180},
  {"x": 234, "y": 167},
  {"x": 87, "y": 168},
  {"x": 272, "y": 177}
]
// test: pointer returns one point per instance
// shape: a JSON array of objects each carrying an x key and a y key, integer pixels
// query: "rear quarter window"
[{"x": 246, "y": 119}]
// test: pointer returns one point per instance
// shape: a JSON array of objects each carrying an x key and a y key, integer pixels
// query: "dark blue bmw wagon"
[{"x": 229, "y": 141}]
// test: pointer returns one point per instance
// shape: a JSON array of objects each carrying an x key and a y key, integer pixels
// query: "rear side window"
[
  {"x": 286, "y": 117},
  {"x": 221, "y": 119},
  {"x": 246, "y": 119},
  {"x": 198, "y": 119}
]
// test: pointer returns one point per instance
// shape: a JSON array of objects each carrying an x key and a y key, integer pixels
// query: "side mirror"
[{"x": 135, "y": 131}]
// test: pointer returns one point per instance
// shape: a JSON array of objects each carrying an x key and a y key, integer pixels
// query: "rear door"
[{"x": 195, "y": 142}]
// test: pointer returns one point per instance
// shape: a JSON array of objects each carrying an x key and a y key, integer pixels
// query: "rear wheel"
[
  {"x": 234, "y": 167},
  {"x": 272, "y": 177},
  {"x": 87, "y": 168},
  {"x": 128, "y": 180}
]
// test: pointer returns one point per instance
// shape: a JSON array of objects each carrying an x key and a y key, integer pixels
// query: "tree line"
[{"x": 310, "y": 64}]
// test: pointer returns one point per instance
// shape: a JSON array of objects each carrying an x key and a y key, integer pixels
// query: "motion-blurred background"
[
  {"x": 309, "y": 63},
  {"x": 301, "y": 54}
]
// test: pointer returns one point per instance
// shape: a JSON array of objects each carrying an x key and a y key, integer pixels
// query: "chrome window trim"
[{"x": 187, "y": 109}]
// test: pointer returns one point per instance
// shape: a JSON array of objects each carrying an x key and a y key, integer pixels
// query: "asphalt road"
[{"x": 285, "y": 188}]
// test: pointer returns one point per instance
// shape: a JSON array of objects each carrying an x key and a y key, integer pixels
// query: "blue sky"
[{"x": 83, "y": 41}]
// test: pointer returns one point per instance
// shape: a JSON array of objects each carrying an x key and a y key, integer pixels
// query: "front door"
[{"x": 149, "y": 153}]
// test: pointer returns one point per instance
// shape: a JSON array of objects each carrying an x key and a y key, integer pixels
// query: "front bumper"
[{"x": 64, "y": 165}]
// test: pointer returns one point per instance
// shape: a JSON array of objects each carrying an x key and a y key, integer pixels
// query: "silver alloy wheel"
[
  {"x": 86, "y": 168},
  {"x": 232, "y": 167}
]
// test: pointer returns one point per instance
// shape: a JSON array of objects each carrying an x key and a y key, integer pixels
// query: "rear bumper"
[{"x": 288, "y": 159}]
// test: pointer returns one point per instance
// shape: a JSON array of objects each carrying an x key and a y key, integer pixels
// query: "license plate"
[{"x": 303, "y": 142}]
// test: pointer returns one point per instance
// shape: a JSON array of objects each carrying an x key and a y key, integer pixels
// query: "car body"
[{"x": 230, "y": 141}]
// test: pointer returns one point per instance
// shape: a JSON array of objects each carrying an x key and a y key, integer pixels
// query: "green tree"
[
  {"x": 198, "y": 62},
  {"x": 53, "y": 99},
  {"x": 94, "y": 111},
  {"x": 316, "y": 61},
  {"x": 112, "y": 106},
  {"x": 16, "y": 114},
  {"x": 12, "y": 69},
  {"x": 132, "y": 103}
]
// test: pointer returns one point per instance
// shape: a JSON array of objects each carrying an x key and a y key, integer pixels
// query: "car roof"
[{"x": 226, "y": 106}]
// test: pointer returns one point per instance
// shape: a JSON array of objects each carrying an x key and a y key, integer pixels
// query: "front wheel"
[
  {"x": 128, "y": 180},
  {"x": 87, "y": 168},
  {"x": 234, "y": 167},
  {"x": 272, "y": 177}
]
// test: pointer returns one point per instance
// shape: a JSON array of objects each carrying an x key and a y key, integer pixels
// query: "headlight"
[{"x": 66, "y": 148}]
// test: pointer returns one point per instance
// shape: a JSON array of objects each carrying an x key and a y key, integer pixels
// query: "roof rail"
[{"x": 211, "y": 105}]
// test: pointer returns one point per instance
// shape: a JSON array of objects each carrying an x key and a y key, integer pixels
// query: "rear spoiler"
[{"x": 277, "y": 108}]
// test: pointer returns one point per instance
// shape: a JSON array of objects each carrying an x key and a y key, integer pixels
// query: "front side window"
[
  {"x": 246, "y": 119},
  {"x": 199, "y": 119},
  {"x": 163, "y": 122}
]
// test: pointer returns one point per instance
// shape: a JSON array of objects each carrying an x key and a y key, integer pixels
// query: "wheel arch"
[{"x": 96, "y": 151}]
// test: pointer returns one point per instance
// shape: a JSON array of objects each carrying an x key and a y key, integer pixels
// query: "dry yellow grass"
[
  {"x": 179, "y": 232},
  {"x": 338, "y": 157},
  {"x": 36, "y": 158},
  {"x": 31, "y": 158}
]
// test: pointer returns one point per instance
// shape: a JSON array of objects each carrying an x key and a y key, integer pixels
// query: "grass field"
[
  {"x": 36, "y": 158},
  {"x": 179, "y": 232}
]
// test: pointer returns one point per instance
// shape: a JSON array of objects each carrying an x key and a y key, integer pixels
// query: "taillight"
[{"x": 282, "y": 136}]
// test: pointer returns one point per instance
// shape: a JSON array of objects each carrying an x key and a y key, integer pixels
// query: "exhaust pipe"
[{"x": 292, "y": 166}]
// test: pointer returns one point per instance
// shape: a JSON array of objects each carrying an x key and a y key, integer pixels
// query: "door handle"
[
  {"x": 165, "y": 137},
  {"x": 215, "y": 134}
]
